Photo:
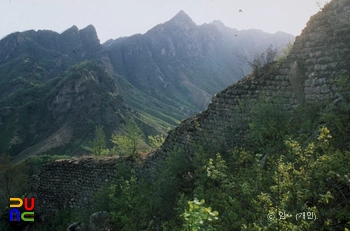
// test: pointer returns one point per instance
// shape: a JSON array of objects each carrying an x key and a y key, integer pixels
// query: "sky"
[{"x": 119, "y": 18}]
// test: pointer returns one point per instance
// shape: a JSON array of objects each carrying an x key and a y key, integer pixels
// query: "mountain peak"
[
  {"x": 181, "y": 13},
  {"x": 90, "y": 27},
  {"x": 89, "y": 31},
  {"x": 182, "y": 18},
  {"x": 218, "y": 24},
  {"x": 73, "y": 28}
]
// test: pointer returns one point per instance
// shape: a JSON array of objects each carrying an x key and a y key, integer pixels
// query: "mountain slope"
[
  {"x": 54, "y": 89},
  {"x": 64, "y": 113},
  {"x": 181, "y": 65}
]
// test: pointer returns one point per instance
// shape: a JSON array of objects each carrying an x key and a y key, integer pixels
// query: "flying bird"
[{"x": 240, "y": 11}]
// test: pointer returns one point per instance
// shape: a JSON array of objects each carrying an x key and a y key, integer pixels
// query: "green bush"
[
  {"x": 128, "y": 144},
  {"x": 62, "y": 220},
  {"x": 156, "y": 141},
  {"x": 199, "y": 217}
]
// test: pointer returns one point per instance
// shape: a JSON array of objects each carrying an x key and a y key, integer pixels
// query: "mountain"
[
  {"x": 62, "y": 112},
  {"x": 55, "y": 88},
  {"x": 177, "y": 66},
  {"x": 42, "y": 55}
]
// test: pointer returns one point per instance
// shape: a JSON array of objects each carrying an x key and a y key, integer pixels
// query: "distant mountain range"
[{"x": 55, "y": 88}]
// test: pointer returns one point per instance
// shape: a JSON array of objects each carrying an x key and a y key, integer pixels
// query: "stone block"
[
  {"x": 320, "y": 81},
  {"x": 325, "y": 89},
  {"x": 307, "y": 82}
]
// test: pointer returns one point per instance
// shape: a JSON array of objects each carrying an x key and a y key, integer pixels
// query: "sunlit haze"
[{"x": 117, "y": 18}]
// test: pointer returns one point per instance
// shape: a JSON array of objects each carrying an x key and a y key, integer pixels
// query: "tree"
[
  {"x": 156, "y": 141},
  {"x": 285, "y": 51},
  {"x": 198, "y": 216},
  {"x": 265, "y": 59},
  {"x": 129, "y": 143},
  {"x": 13, "y": 179},
  {"x": 321, "y": 5},
  {"x": 311, "y": 181},
  {"x": 99, "y": 143}
]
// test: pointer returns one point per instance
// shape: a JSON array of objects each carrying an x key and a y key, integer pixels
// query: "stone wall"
[
  {"x": 71, "y": 183},
  {"x": 319, "y": 55}
]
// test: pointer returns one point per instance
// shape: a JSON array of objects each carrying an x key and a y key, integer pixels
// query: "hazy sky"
[{"x": 116, "y": 18}]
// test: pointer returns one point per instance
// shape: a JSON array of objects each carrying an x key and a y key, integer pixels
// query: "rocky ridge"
[
  {"x": 46, "y": 81},
  {"x": 179, "y": 65}
]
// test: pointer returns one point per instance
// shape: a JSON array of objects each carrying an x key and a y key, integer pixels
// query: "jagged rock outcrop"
[
  {"x": 76, "y": 226},
  {"x": 47, "y": 53},
  {"x": 99, "y": 221},
  {"x": 39, "y": 56}
]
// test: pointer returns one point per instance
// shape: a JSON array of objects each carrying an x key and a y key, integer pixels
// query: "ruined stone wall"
[
  {"x": 319, "y": 55},
  {"x": 71, "y": 183}
]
